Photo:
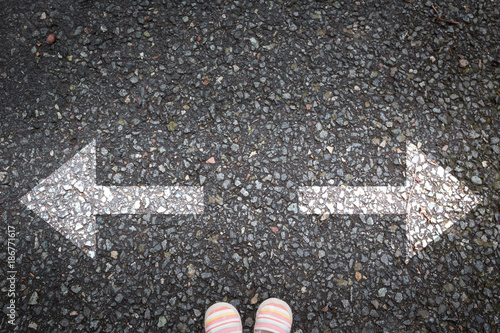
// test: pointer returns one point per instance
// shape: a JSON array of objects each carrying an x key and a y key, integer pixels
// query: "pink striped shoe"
[
  {"x": 222, "y": 318},
  {"x": 273, "y": 316}
]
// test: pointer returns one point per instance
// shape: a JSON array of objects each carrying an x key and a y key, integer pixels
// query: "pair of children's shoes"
[{"x": 273, "y": 316}]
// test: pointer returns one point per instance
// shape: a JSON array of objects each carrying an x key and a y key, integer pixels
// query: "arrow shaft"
[
  {"x": 352, "y": 200},
  {"x": 114, "y": 200}
]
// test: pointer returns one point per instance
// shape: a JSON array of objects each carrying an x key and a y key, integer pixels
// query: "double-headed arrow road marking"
[{"x": 69, "y": 199}]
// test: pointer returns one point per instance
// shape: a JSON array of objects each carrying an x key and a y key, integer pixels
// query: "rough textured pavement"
[{"x": 249, "y": 101}]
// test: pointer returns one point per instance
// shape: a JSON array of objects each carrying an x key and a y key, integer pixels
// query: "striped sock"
[
  {"x": 273, "y": 318},
  {"x": 223, "y": 319}
]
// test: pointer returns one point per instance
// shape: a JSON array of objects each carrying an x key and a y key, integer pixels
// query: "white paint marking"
[
  {"x": 432, "y": 199},
  {"x": 70, "y": 198}
]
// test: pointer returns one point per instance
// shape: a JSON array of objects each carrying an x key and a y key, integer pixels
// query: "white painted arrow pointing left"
[{"x": 70, "y": 198}]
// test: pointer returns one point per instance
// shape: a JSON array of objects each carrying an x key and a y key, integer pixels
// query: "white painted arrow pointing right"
[{"x": 432, "y": 199}]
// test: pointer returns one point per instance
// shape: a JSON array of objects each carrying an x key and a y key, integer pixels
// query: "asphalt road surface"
[{"x": 159, "y": 156}]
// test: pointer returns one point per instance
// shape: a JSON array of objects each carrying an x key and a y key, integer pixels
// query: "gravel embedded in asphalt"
[{"x": 251, "y": 101}]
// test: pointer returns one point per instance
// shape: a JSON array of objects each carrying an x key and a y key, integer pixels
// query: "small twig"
[
  {"x": 451, "y": 52},
  {"x": 437, "y": 13},
  {"x": 447, "y": 21},
  {"x": 422, "y": 211},
  {"x": 207, "y": 233},
  {"x": 439, "y": 18},
  {"x": 88, "y": 196}
]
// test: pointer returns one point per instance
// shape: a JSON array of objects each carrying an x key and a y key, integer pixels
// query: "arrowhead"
[
  {"x": 65, "y": 201},
  {"x": 437, "y": 199}
]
